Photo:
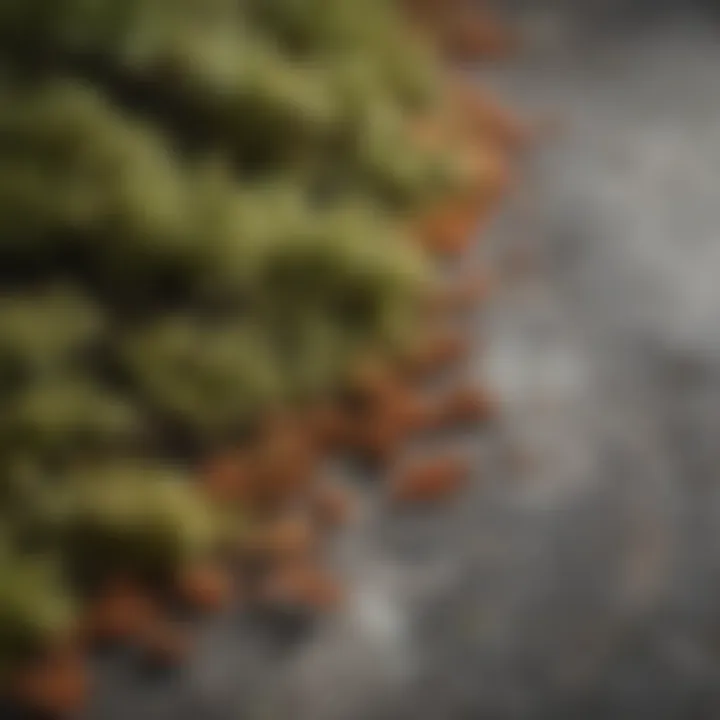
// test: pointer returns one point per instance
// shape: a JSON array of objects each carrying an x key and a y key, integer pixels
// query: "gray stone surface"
[{"x": 579, "y": 578}]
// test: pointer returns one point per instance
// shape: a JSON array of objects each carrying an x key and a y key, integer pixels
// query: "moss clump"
[
  {"x": 135, "y": 520},
  {"x": 35, "y": 609},
  {"x": 201, "y": 213}
]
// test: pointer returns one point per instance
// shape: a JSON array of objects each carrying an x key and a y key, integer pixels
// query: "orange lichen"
[
  {"x": 464, "y": 293},
  {"x": 463, "y": 31},
  {"x": 227, "y": 478},
  {"x": 332, "y": 505},
  {"x": 164, "y": 644},
  {"x": 121, "y": 611},
  {"x": 284, "y": 538},
  {"x": 285, "y": 457},
  {"x": 476, "y": 35},
  {"x": 448, "y": 229},
  {"x": 437, "y": 352},
  {"x": 329, "y": 426},
  {"x": 429, "y": 481},
  {"x": 484, "y": 117},
  {"x": 54, "y": 685},
  {"x": 304, "y": 585},
  {"x": 466, "y": 405},
  {"x": 207, "y": 587},
  {"x": 379, "y": 436}
]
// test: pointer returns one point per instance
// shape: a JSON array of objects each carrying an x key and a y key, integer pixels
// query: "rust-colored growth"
[
  {"x": 466, "y": 405},
  {"x": 164, "y": 644},
  {"x": 430, "y": 481},
  {"x": 491, "y": 190},
  {"x": 463, "y": 30},
  {"x": 463, "y": 294},
  {"x": 373, "y": 380},
  {"x": 206, "y": 587},
  {"x": 438, "y": 352},
  {"x": 330, "y": 426},
  {"x": 227, "y": 478},
  {"x": 120, "y": 613},
  {"x": 488, "y": 120},
  {"x": 475, "y": 35},
  {"x": 429, "y": 132},
  {"x": 305, "y": 586},
  {"x": 332, "y": 505},
  {"x": 286, "y": 462},
  {"x": 286, "y": 538},
  {"x": 378, "y": 437},
  {"x": 492, "y": 178},
  {"x": 376, "y": 420},
  {"x": 56, "y": 685},
  {"x": 423, "y": 13},
  {"x": 412, "y": 410},
  {"x": 449, "y": 229},
  {"x": 406, "y": 410},
  {"x": 396, "y": 414}
]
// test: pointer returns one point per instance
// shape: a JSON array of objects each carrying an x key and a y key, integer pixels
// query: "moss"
[
  {"x": 200, "y": 212},
  {"x": 35, "y": 608},
  {"x": 135, "y": 520}
]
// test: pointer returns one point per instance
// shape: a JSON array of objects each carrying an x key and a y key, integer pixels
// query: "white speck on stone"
[{"x": 378, "y": 617}]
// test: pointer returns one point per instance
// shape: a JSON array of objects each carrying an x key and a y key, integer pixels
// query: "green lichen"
[{"x": 199, "y": 212}]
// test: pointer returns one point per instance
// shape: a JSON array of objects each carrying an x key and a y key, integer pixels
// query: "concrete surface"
[{"x": 580, "y": 576}]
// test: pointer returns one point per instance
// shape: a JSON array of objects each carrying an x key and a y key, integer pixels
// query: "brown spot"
[
  {"x": 463, "y": 32},
  {"x": 464, "y": 294},
  {"x": 438, "y": 352},
  {"x": 164, "y": 644},
  {"x": 227, "y": 478},
  {"x": 489, "y": 120},
  {"x": 333, "y": 505},
  {"x": 304, "y": 586},
  {"x": 430, "y": 481},
  {"x": 448, "y": 230},
  {"x": 206, "y": 587},
  {"x": 286, "y": 460},
  {"x": 472, "y": 35},
  {"x": 56, "y": 685},
  {"x": 417, "y": 412},
  {"x": 379, "y": 437},
  {"x": 286, "y": 538},
  {"x": 372, "y": 381},
  {"x": 120, "y": 612},
  {"x": 330, "y": 426},
  {"x": 466, "y": 405}
]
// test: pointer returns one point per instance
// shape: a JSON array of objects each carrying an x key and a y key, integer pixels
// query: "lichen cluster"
[{"x": 215, "y": 216}]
